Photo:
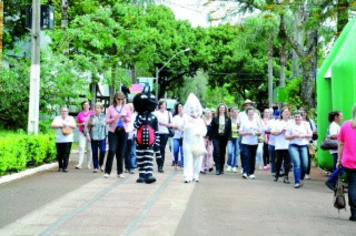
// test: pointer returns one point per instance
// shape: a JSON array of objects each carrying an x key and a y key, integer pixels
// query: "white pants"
[
  {"x": 192, "y": 166},
  {"x": 82, "y": 143}
]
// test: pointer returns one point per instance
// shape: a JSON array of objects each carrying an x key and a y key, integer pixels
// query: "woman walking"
[
  {"x": 82, "y": 119},
  {"x": 118, "y": 117},
  {"x": 249, "y": 130},
  {"x": 282, "y": 144},
  {"x": 335, "y": 117},
  {"x": 233, "y": 144},
  {"x": 220, "y": 132},
  {"x": 178, "y": 135},
  {"x": 347, "y": 158},
  {"x": 298, "y": 135},
  {"x": 164, "y": 118},
  {"x": 64, "y": 124},
  {"x": 96, "y": 131},
  {"x": 208, "y": 162}
]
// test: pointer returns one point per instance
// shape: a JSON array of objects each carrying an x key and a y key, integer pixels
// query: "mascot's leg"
[
  {"x": 188, "y": 165},
  {"x": 197, "y": 161},
  {"x": 149, "y": 166},
  {"x": 140, "y": 156}
]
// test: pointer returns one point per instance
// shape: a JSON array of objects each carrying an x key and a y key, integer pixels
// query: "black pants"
[
  {"x": 249, "y": 157},
  {"x": 283, "y": 155},
  {"x": 265, "y": 154},
  {"x": 117, "y": 142},
  {"x": 219, "y": 153},
  {"x": 63, "y": 150},
  {"x": 163, "y": 138}
]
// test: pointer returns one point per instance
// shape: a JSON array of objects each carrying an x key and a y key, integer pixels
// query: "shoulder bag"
[{"x": 328, "y": 143}]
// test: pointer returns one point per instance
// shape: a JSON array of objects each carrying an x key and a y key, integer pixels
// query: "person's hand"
[
  {"x": 88, "y": 139},
  {"x": 338, "y": 164}
]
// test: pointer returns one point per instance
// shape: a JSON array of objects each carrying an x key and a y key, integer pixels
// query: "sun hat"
[{"x": 248, "y": 101}]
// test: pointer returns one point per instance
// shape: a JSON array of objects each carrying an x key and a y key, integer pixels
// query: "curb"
[{"x": 12, "y": 177}]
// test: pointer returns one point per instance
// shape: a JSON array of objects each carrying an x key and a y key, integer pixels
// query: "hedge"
[{"x": 20, "y": 151}]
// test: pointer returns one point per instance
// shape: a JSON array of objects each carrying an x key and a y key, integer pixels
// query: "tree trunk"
[
  {"x": 270, "y": 71},
  {"x": 342, "y": 15},
  {"x": 64, "y": 9}
]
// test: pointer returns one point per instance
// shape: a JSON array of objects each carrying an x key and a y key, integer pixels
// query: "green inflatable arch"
[{"x": 336, "y": 85}]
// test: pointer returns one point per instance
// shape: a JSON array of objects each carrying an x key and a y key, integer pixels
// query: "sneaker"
[
  {"x": 244, "y": 175},
  {"x": 89, "y": 166},
  {"x": 234, "y": 170},
  {"x": 95, "y": 171},
  {"x": 132, "y": 172},
  {"x": 252, "y": 176},
  {"x": 106, "y": 176},
  {"x": 79, "y": 167},
  {"x": 242, "y": 170},
  {"x": 228, "y": 169},
  {"x": 266, "y": 168},
  {"x": 102, "y": 169},
  {"x": 121, "y": 176},
  {"x": 307, "y": 176}
]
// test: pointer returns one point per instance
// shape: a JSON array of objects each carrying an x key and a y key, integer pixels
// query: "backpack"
[{"x": 145, "y": 136}]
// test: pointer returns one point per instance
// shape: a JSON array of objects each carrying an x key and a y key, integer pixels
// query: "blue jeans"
[
  {"x": 299, "y": 156},
  {"x": 233, "y": 150},
  {"x": 101, "y": 144},
  {"x": 351, "y": 179},
  {"x": 272, "y": 158},
  {"x": 177, "y": 147},
  {"x": 130, "y": 154}
]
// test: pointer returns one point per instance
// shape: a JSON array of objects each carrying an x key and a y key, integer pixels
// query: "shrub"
[{"x": 18, "y": 151}]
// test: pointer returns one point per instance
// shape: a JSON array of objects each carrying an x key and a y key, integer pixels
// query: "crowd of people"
[{"x": 278, "y": 140}]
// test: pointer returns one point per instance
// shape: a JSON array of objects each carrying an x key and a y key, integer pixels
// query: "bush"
[{"x": 19, "y": 151}]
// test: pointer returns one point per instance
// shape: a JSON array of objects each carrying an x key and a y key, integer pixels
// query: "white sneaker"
[
  {"x": 228, "y": 169},
  {"x": 244, "y": 175},
  {"x": 242, "y": 170},
  {"x": 95, "y": 171},
  {"x": 106, "y": 176},
  {"x": 121, "y": 176},
  {"x": 78, "y": 167},
  {"x": 89, "y": 166},
  {"x": 252, "y": 177},
  {"x": 307, "y": 176},
  {"x": 234, "y": 170}
]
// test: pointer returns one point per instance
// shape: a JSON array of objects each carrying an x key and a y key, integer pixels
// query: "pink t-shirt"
[
  {"x": 347, "y": 136},
  {"x": 83, "y": 118}
]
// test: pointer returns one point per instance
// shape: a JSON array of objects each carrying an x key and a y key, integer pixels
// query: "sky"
[{"x": 192, "y": 10}]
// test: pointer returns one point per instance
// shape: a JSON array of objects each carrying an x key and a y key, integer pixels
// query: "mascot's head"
[
  {"x": 192, "y": 106},
  {"x": 145, "y": 102}
]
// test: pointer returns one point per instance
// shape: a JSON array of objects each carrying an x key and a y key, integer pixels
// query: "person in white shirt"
[
  {"x": 282, "y": 144},
  {"x": 64, "y": 139},
  {"x": 335, "y": 117},
  {"x": 298, "y": 135},
  {"x": 249, "y": 130},
  {"x": 178, "y": 135},
  {"x": 164, "y": 118}
]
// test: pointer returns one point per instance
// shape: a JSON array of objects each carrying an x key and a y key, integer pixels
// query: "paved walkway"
[{"x": 217, "y": 205}]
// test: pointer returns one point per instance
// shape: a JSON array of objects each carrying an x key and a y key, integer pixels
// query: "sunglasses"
[{"x": 119, "y": 99}]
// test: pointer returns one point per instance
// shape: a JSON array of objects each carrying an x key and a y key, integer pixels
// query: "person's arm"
[
  {"x": 340, "y": 151},
  {"x": 56, "y": 124}
]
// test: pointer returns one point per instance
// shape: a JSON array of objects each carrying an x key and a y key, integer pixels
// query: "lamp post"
[{"x": 159, "y": 70}]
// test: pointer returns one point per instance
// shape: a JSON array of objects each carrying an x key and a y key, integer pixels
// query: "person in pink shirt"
[
  {"x": 347, "y": 158},
  {"x": 82, "y": 119},
  {"x": 118, "y": 117}
]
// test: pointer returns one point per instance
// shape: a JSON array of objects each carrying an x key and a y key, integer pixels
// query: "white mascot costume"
[{"x": 194, "y": 130}]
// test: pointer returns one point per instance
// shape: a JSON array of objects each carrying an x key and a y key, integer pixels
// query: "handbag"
[
  {"x": 339, "y": 196},
  {"x": 329, "y": 144},
  {"x": 198, "y": 149},
  {"x": 66, "y": 130},
  {"x": 312, "y": 148},
  {"x": 171, "y": 131}
]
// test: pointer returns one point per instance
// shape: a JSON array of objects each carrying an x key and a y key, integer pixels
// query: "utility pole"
[
  {"x": 33, "y": 114},
  {"x": 1, "y": 28}
]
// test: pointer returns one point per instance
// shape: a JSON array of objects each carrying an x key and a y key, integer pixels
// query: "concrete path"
[{"x": 84, "y": 203}]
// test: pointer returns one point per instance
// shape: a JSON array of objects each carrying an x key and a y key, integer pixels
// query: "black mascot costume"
[{"x": 147, "y": 136}]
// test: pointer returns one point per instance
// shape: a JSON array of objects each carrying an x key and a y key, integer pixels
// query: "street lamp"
[{"x": 159, "y": 70}]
